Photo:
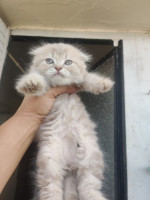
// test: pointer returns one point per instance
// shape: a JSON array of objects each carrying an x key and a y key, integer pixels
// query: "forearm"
[{"x": 16, "y": 135}]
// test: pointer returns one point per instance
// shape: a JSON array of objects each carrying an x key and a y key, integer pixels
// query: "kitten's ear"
[
  {"x": 86, "y": 57},
  {"x": 36, "y": 50}
]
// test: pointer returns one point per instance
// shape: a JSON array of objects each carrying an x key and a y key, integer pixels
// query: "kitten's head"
[{"x": 61, "y": 64}]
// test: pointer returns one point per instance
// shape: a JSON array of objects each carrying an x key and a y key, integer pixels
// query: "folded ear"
[
  {"x": 86, "y": 57},
  {"x": 36, "y": 50}
]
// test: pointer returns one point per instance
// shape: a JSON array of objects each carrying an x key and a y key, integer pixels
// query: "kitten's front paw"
[
  {"x": 103, "y": 85},
  {"x": 107, "y": 84},
  {"x": 32, "y": 84}
]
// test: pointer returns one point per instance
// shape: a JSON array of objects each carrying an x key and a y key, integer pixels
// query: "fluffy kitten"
[{"x": 69, "y": 161}]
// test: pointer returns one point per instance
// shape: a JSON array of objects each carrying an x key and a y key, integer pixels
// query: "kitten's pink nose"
[{"x": 58, "y": 68}]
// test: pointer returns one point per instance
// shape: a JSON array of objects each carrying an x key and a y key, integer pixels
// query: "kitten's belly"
[{"x": 66, "y": 121}]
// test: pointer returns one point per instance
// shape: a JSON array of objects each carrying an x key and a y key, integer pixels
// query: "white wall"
[
  {"x": 4, "y": 37},
  {"x": 137, "y": 102}
]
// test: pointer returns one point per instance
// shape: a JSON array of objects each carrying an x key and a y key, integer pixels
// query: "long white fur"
[{"x": 69, "y": 163}]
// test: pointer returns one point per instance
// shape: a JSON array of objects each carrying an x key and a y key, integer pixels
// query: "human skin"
[{"x": 17, "y": 133}]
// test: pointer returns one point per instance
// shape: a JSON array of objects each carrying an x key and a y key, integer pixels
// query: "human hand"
[
  {"x": 17, "y": 133},
  {"x": 40, "y": 106}
]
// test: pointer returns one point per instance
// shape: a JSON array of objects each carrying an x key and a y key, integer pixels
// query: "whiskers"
[
  {"x": 51, "y": 72},
  {"x": 58, "y": 78},
  {"x": 63, "y": 72}
]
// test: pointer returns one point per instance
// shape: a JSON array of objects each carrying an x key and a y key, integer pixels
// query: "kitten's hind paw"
[{"x": 33, "y": 84}]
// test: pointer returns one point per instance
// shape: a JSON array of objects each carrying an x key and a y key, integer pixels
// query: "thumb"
[{"x": 54, "y": 92}]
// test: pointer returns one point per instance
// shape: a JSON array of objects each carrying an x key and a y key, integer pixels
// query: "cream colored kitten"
[{"x": 69, "y": 162}]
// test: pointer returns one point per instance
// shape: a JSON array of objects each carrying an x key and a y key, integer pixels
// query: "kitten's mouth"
[{"x": 58, "y": 74}]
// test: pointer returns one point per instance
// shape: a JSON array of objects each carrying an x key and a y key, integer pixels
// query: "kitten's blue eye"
[
  {"x": 49, "y": 61},
  {"x": 68, "y": 62}
]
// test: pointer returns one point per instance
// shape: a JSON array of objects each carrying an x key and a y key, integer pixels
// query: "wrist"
[{"x": 31, "y": 119}]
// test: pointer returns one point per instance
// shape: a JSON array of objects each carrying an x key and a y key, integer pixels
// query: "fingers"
[{"x": 54, "y": 92}]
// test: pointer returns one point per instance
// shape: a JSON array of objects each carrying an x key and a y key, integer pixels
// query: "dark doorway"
[{"x": 107, "y": 110}]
